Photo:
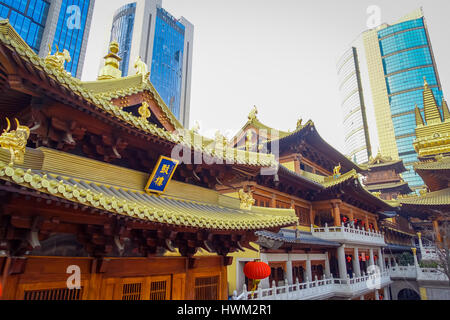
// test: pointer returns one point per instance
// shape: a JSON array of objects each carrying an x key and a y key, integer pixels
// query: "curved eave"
[
  {"x": 309, "y": 133},
  {"x": 297, "y": 178},
  {"x": 398, "y": 166}
]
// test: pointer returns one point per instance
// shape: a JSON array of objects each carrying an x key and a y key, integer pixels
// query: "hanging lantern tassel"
[{"x": 256, "y": 271}]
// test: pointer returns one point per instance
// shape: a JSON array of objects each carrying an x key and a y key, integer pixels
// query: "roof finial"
[
  {"x": 425, "y": 82},
  {"x": 253, "y": 113},
  {"x": 111, "y": 69}
]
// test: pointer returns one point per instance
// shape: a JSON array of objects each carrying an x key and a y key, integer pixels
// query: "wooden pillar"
[
  {"x": 336, "y": 214},
  {"x": 375, "y": 224},
  {"x": 273, "y": 201},
  {"x": 311, "y": 215},
  {"x": 351, "y": 216},
  {"x": 366, "y": 221},
  {"x": 437, "y": 231}
]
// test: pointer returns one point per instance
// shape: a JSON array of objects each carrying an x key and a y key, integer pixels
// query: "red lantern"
[
  {"x": 367, "y": 258},
  {"x": 344, "y": 219},
  {"x": 256, "y": 270},
  {"x": 349, "y": 259}
]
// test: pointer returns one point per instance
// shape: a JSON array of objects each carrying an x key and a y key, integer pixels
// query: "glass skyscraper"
[
  {"x": 41, "y": 23},
  {"x": 357, "y": 140},
  {"x": 393, "y": 62},
  {"x": 28, "y": 18},
  {"x": 122, "y": 32},
  {"x": 167, "y": 61},
  {"x": 144, "y": 29},
  {"x": 407, "y": 59}
]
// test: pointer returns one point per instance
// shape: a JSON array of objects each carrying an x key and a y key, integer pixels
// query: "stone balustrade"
[
  {"x": 318, "y": 289},
  {"x": 349, "y": 234}
]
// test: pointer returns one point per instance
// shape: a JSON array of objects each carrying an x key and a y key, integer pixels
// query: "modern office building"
[
  {"x": 62, "y": 23},
  {"x": 144, "y": 29},
  {"x": 396, "y": 59},
  {"x": 357, "y": 140}
]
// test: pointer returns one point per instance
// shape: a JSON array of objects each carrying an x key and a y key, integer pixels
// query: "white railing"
[
  {"x": 317, "y": 289},
  {"x": 349, "y": 234},
  {"x": 429, "y": 253},
  {"x": 431, "y": 274},
  {"x": 402, "y": 272}
]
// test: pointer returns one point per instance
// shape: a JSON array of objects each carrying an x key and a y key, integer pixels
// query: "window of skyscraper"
[{"x": 28, "y": 18}]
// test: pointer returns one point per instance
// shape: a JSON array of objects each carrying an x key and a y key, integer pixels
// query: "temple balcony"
[
  {"x": 412, "y": 272},
  {"x": 349, "y": 234},
  {"x": 319, "y": 289},
  {"x": 429, "y": 253},
  {"x": 403, "y": 272}
]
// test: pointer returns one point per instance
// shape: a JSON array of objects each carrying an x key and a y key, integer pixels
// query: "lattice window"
[
  {"x": 54, "y": 294},
  {"x": 131, "y": 291},
  {"x": 207, "y": 288},
  {"x": 158, "y": 290}
]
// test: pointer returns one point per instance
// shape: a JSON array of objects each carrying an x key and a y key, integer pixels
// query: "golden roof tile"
[{"x": 152, "y": 208}]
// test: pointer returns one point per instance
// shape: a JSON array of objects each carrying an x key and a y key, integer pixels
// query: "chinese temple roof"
[
  {"x": 289, "y": 141},
  {"x": 381, "y": 162},
  {"x": 127, "y": 86},
  {"x": 95, "y": 97},
  {"x": 402, "y": 186},
  {"x": 431, "y": 199},
  {"x": 328, "y": 183},
  {"x": 67, "y": 177},
  {"x": 435, "y": 173},
  {"x": 296, "y": 237}
]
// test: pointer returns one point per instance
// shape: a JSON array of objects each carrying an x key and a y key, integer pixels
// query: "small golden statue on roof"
[
  {"x": 196, "y": 127},
  {"x": 57, "y": 60},
  {"x": 337, "y": 171},
  {"x": 141, "y": 67},
  {"x": 253, "y": 113},
  {"x": 144, "y": 111},
  {"x": 299, "y": 123},
  {"x": 247, "y": 200},
  {"x": 15, "y": 141}
]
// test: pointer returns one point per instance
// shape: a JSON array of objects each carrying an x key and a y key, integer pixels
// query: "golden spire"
[
  {"x": 419, "y": 119},
  {"x": 431, "y": 110},
  {"x": 111, "y": 69},
  {"x": 445, "y": 110}
]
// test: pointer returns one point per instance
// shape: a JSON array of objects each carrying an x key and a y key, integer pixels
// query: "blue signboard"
[{"x": 162, "y": 174}]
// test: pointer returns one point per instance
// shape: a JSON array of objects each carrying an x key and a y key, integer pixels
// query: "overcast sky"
[{"x": 278, "y": 55}]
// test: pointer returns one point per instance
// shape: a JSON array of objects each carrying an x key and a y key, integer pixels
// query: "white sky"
[{"x": 277, "y": 55}]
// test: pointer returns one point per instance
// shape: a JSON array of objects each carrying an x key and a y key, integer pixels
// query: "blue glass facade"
[
  {"x": 407, "y": 59},
  {"x": 122, "y": 32},
  {"x": 70, "y": 30},
  {"x": 167, "y": 60},
  {"x": 28, "y": 17}
]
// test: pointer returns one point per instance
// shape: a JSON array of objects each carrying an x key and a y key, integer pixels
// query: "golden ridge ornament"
[
  {"x": 247, "y": 200},
  {"x": 15, "y": 141}
]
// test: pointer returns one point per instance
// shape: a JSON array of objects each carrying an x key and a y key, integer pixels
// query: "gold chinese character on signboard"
[
  {"x": 165, "y": 169},
  {"x": 159, "y": 181}
]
